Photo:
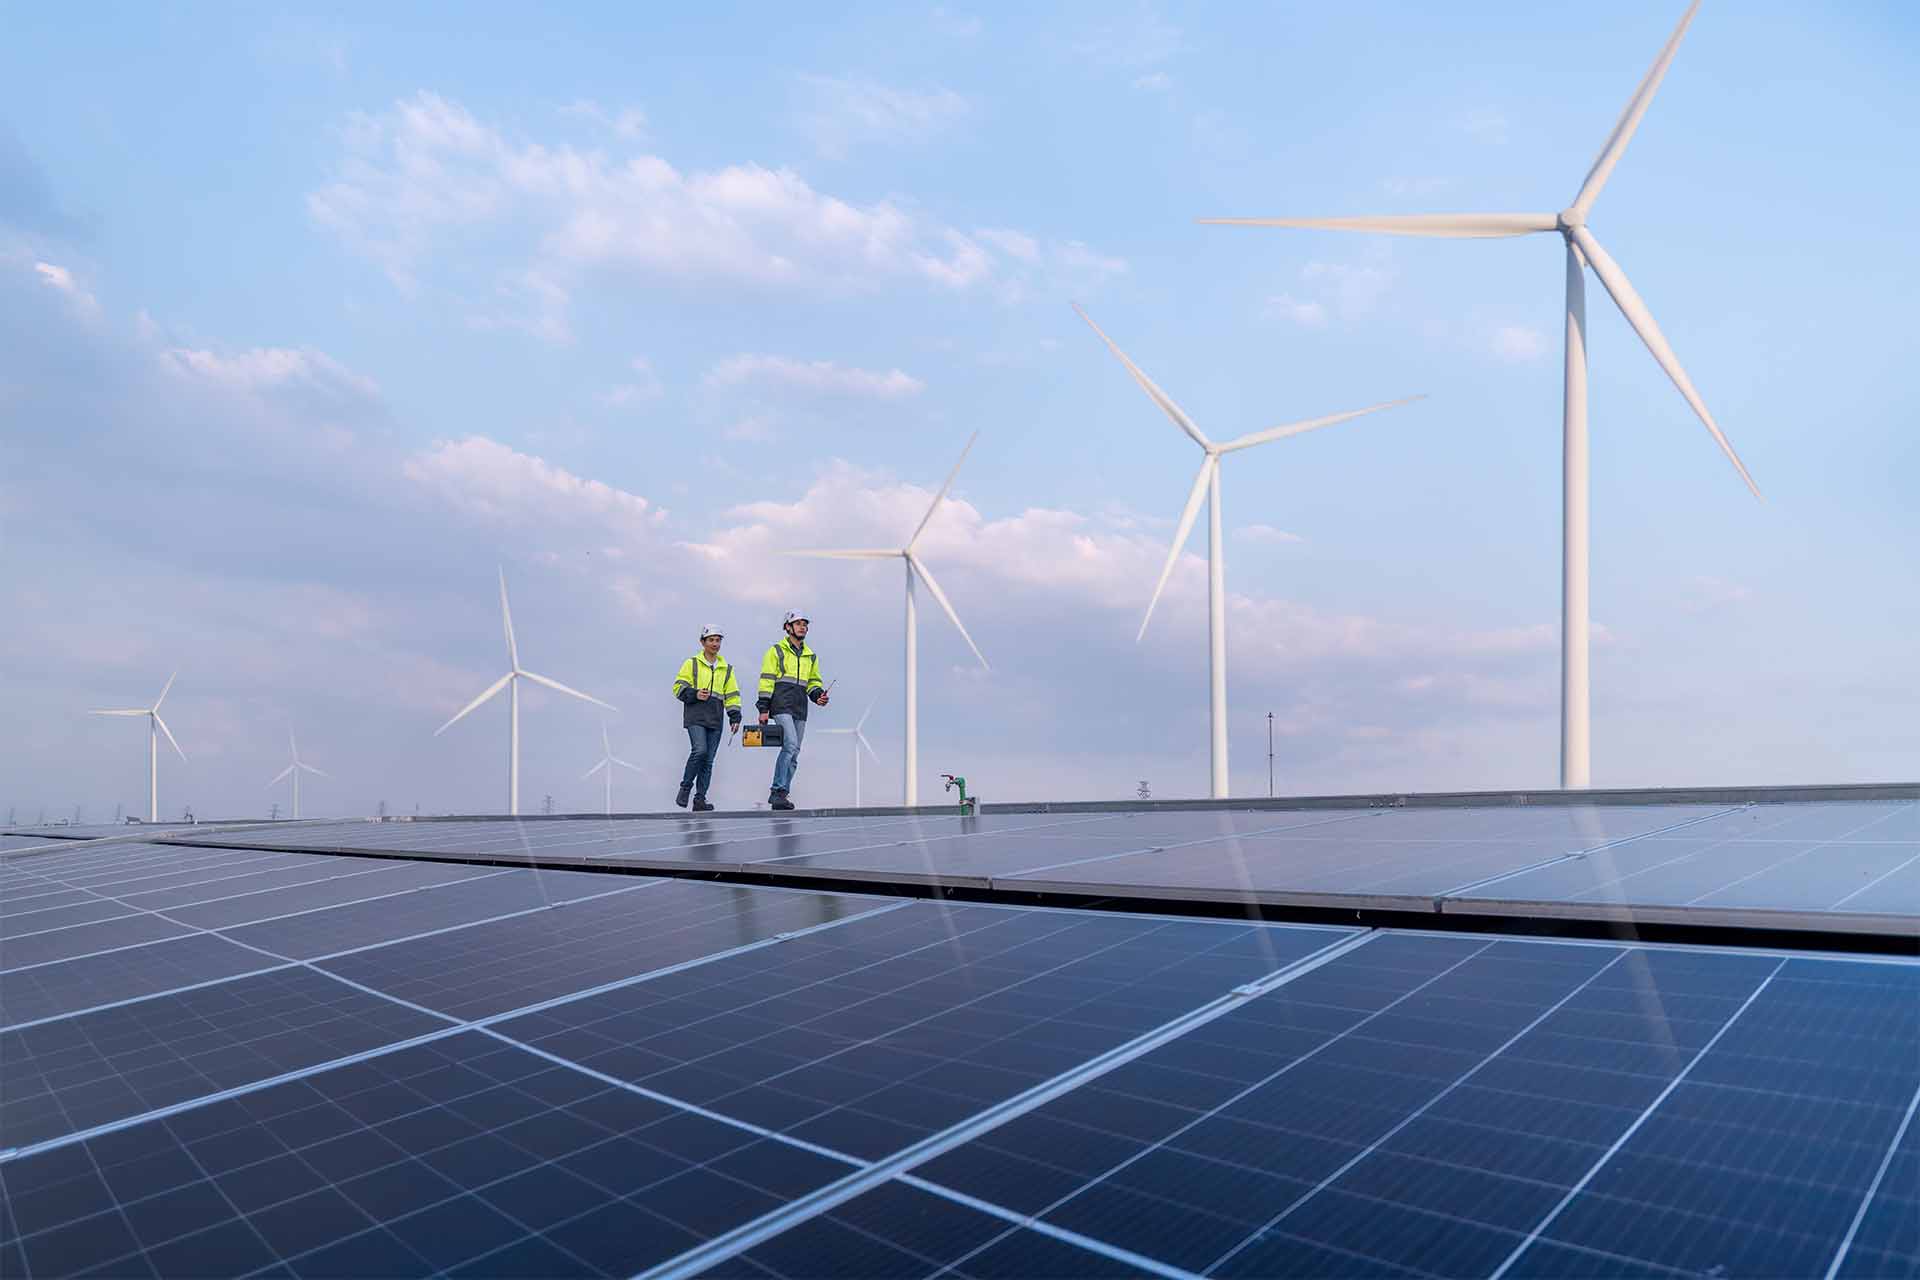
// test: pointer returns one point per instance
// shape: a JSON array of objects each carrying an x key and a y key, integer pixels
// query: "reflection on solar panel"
[{"x": 219, "y": 1059}]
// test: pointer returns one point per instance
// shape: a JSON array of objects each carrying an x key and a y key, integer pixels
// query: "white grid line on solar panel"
[
  {"x": 746, "y": 1236},
  {"x": 1843, "y": 839},
  {"x": 1873, "y": 1190},
  {"x": 1611, "y": 883},
  {"x": 349, "y": 951},
  {"x": 439, "y": 1103},
  {"x": 318, "y": 874},
  {"x": 1282, "y": 1138},
  {"x": 1018, "y": 1221},
  {"x": 1302, "y": 862},
  {"x": 158, "y": 863},
  {"x": 1586, "y": 853},
  {"x": 455, "y": 1027},
  {"x": 305, "y": 911},
  {"x": 1587, "y": 1178}
]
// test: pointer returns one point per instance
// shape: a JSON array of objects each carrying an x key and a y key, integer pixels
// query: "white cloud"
[
  {"x": 1153, "y": 82},
  {"x": 1266, "y": 533},
  {"x": 428, "y": 186},
  {"x": 1710, "y": 594},
  {"x": 1355, "y": 289},
  {"x": 1308, "y": 315},
  {"x": 270, "y": 368},
  {"x": 59, "y": 278},
  {"x": 1015, "y": 244},
  {"x": 1518, "y": 343},
  {"x": 755, "y": 428},
  {"x": 1483, "y": 125},
  {"x": 487, "y": 480},
  {"x": 844, "y": 113},
  {"x": 627, "y": 122},
  {"x": 818, "y": 377},
  {"x": 645, "y": 386}
]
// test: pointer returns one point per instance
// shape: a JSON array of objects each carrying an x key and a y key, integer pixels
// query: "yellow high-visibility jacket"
[
  {"x": 716, "y": 677},
  {"x": 788, "y": 678}
]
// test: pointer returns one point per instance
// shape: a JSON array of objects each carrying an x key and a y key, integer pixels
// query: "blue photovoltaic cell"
[
  {"x": 28, "y": 995},
  {"x": 86, "y": 939},
  {"x": 461, "y": 1156},
  {"x": 898, "y": 1230},
  {"x": 871, "y": 1036},
  {"x": 70, "y": 1075},
  {"x": 509, "y": 964}
]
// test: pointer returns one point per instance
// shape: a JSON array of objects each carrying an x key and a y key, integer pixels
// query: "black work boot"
[
  {"x": 700, "y": 805},
  {"x": 778, "y": 799},
  {"x": 686, "y": 789}
]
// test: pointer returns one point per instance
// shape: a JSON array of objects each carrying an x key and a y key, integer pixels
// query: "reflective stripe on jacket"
[
  {"x": 788, "y": 679},
  {"x": 717, "y": 679}
]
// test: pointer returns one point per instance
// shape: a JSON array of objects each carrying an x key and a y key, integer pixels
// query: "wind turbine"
[
  {"x": 607, "y": 761},
  {"x": 294, "y": 771},
  {"x": 916, "y": 568},
  {"x": 1206, "y": 485},
  {"x": 511, "y": 683},
  {"x": 155, "y": 727},
  {"x": 1583, "y": 251},
  {"x": 859, "y": 741}
]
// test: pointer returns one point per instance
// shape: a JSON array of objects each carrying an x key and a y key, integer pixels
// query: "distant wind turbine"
[
  {"x": 916, "y": 568},
  {"x": 294, "y": 771},
  {"x": 607, "y": 761},
  {"x": 155, "y": 727},
  {"x": 511, "y": 683},
  {"x": 1206, "y": 486},
  {"x": 1583, "y": 251},
  {"x": 859, "y": 741}
]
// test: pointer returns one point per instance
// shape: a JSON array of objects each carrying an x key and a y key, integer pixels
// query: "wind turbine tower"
[
  {"x": 607, "y": 761},
  {"x": 1206, "y": 487},
  {"x": 916, "y": 569},
  {"x": 1583, "y": 252},
  {"x": 511, "y": 683},
  {"x": 294, "y": 771},
  {"x": 155, "y": 727},
  {"x": 859, "y": 742}
]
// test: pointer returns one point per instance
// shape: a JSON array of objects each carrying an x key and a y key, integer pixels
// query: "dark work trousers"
[{"x": 706, "y": 745}]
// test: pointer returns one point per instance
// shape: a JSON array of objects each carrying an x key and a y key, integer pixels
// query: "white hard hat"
[
  {"x": 710, "y": 630},
  {"x": 793, "y": 616}
]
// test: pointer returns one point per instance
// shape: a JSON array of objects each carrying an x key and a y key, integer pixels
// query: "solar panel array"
[{"x": 222, "y": 1059}]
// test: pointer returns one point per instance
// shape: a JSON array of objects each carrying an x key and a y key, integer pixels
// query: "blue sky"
[{"x": 308, "y": 319}]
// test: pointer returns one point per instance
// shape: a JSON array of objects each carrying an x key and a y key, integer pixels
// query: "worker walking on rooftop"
[
  {"x": 706, "y": 685},
  {"x": 789, "y": 679}
]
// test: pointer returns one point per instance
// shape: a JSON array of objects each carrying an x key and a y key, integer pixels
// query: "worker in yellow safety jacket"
[
  {"x": 705, "y": 685},
  {"x": 789, "y": 679}
]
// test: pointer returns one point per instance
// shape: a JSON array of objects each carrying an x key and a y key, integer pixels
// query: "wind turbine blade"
[
  {"x": 1311, "y": 424},
  {"x": 934, "y": 589},
  {"x": 163, "y": 729},
  {"x": 606, "y": 747},
  {"x": 561, "y": 688},
  {"x": 165, "y": 690},
  {"x": 589, "y": 773},
  {"x": 626, "y": 764},
  {"x": 1448, "y": 226},
  {"x": 940, "y": 496},
  {"x": 1147, "y": 385},
  {"x": 861, "y": 738},
  {"x": 1642, "y": 321},
  {"x": 506, "y": 617},
  {"x": 130, "y": 711},
  {"x": 861, "y": 723},
  {"x": 282, "y": 775},
  {"x": 1188, "y": 515},
  {"x": 310, "y": 769},
  {"x": 1629, "y": 120},
  {"x": 492, "y": 689},
  {"x": 846, "y": 555}
]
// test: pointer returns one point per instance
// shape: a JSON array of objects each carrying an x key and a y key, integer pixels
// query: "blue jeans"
[
  {"x": 706, "y": 745},
  {"x": 793, "y": 730}
]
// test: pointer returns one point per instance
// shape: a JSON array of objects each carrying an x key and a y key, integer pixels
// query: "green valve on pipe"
[{"x": 954, "y": 781}]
